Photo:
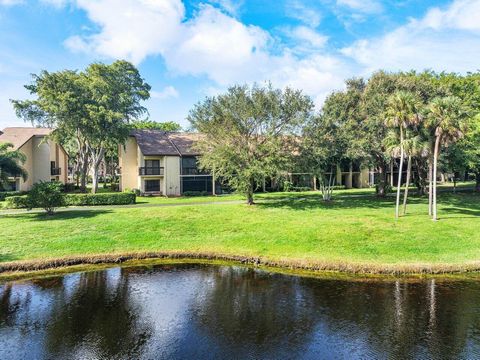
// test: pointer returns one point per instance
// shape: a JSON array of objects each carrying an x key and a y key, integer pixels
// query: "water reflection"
[{"x": 194, "y": 311}]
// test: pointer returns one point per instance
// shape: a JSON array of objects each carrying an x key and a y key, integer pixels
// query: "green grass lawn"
[{"x": 281, "y": 226}]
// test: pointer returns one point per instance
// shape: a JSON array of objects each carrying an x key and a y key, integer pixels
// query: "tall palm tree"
[
  {"x": 402, "y": 111},
  {"x": 10, "y": 164},
  {"x": 446, "y": 117}
]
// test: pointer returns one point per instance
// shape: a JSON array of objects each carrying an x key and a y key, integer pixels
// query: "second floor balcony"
[{"x": 146, "y": 170}]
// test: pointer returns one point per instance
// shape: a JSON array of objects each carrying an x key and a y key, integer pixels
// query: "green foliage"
[
  {"x": 125, "y": 198},
  {"x": 153, "y": 125},
  {"x": 195, "y": 193},
  {"x": 5, "y": 194},
  {"x": 17, "y": 202},
  {"x": 46, "y": 195},
  {"x": 90, "y": 110},
  {"x": 249, "y": 133},
  {"x": 10, "y": 163}
]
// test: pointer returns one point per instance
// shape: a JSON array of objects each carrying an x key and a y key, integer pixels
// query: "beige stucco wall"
[
  {"x": 172, "y": 176},
  {"x": 129, "y": 166},
  {"x": 39, "y": 153},
  {"x": 26, "y": 149}
]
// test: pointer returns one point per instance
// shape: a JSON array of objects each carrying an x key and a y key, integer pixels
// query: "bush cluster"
[
  {"x": 25, "y": 201},
  {"x": 5, "y": 194},
  {"x": 17, "y": 202},
  {"x": 195, "y": 193},
  {"x": 125, "y": 198}
]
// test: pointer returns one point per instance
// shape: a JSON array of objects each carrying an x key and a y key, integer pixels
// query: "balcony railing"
[
  {"x": 193, "y": 171},
  {"x": 55, "y": 171},
  {"x": 142, "y": 171}
]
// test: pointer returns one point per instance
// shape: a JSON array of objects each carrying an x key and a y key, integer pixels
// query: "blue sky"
[{"x": 191, "y": 49}]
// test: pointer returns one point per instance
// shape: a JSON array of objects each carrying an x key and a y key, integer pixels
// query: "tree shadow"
[
  {"x": 337, "y": 203},
  {"x": 60, "y": 215}
]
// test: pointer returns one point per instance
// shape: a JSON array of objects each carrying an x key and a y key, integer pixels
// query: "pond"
[{"x": 205, "y": 311}]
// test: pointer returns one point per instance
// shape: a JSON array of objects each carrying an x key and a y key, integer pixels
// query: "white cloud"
[
  {"x": 461, "y": 14},
  {"x": 296, "y": 9},
  {"x": 307, "y": 37},
  {"x": 231, "y": 7},
  {"x": 211, "y": 43},
  {"x": 363, "y": 6},
  {"x": 168, "y": 92},
  {"x": 442, "y": 40},
  {"x": 131, "y": 29}
]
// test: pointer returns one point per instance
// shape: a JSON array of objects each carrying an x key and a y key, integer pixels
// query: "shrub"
[
  {"x": 5, "y": 194},
  {"x": 300, "y": 188},
  {"x": 100, "y": 199},
  {"x": 195, "y": 193},
  {"x": 69, "y": 187},
  {"x": 17, "y": 202},
  {"x": 47, "y": 195}
]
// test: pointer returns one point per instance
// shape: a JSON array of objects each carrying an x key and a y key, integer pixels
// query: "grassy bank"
[{"x": 351, "y": 233}]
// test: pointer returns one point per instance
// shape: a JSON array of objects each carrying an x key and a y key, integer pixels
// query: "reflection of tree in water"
[
  {"x": 96, "y": 315},
  {"x": 248, "y": 308},
  {"x": 399, "y": 320}
]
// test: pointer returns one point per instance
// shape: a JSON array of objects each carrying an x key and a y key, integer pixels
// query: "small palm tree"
[
  {"x": 446, "y": 121},
  {"x": 402, "y": 112},
  {"x": 10, "y": 164}
]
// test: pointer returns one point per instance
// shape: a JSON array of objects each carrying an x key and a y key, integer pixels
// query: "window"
[
  {"x": 152, "y": 185},
  {"x": 152, "y": 163}
]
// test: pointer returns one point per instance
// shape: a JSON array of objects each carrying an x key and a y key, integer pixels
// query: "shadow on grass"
[
  {"x": 60, "y": 215},
  {"x": 338, "y": 203},
  {"x": 7, "y": 257}
]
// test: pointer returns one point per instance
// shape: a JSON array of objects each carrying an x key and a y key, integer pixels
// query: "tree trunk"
[
  {"x": 477, "y": 181},
  {"x": 400, "y": 169},
  {"x": 409, "y": 171},
  {"x": 382, "y": 180},
  {"x": 97, "y": 159},
  {"x": 250, "y": 194},
  {"x": 435, "y": 163},
  {"x": 84, "y": 174},
  {"x": 391, "y": 173},
  {"x": 430, "y": 185}
]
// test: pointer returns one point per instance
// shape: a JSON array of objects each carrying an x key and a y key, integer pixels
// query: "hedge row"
[
  {"x": 125, "y": 198},
  {"x": 16, "y": 202},
  {"x": 22, "y": 201},
  {"x": 5, "y": 194}
]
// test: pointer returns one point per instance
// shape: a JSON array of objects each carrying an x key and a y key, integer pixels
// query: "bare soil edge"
[{"x": 17, "y": 269}]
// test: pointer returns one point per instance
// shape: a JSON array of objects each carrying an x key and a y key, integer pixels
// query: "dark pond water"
[{"x": 199, "y": 311}]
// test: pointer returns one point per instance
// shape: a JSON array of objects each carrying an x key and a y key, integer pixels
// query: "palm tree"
[
  {"x": 446, "y": 117},
  {"x": 402, "y": 111},
  {"x": 10, "y": 164}
]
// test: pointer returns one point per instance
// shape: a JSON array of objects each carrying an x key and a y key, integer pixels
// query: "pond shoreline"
[{"x": 37, "y": 268}]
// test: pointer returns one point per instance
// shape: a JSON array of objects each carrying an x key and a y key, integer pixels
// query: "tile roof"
[
  {"x": 159, "y": 143},
  {"x": 18, "y": 136}
]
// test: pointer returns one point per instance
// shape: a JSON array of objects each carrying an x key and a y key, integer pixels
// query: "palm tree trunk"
[
  {"x": 435, "y": 162},
  {"x": 400, "y": 169},
  {"x": 409, "y": 171},
  {"x": 430, "y": 185}
]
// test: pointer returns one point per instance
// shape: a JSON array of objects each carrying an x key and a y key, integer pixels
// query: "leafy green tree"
[
  {"x": 47, "y": 195},
  {"x": 330, "y": 137},
  {"x": 10, "y": 164},
  {"x": 94, "y": 107},
  {"x": 250, "y": 133},
  {"x": 170, "y": 126}
]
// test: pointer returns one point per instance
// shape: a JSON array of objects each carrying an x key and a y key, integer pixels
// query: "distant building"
[
  {"x": 164, "y": 163},
  {"x": 45, "y": 159}
]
